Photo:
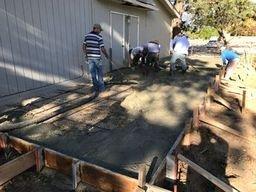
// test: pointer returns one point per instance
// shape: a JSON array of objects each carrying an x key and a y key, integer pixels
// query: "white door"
[
  {"x": 117, "y": 40},
  {"x": 124, "y": 35}
]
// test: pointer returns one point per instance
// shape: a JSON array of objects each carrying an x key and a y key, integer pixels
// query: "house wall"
[
  {"x": 40, "y": 40},
  {"x": 153, "y": 25}
]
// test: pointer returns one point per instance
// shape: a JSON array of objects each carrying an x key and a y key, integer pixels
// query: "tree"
[{"x": 221, "y": 14}]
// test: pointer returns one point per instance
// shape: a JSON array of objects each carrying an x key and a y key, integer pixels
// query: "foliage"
[
  {"x": 225, "y": 15},
  {"x": 248, "y": 28},
  {"x": 204, "y": 33}
]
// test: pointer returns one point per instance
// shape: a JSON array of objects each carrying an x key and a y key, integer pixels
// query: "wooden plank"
[
  {"x": 58, "y": 161},
  {"x": 171, "y": 168},
  {"x": 106, "y": 180},
  {"x": 153, "y": 188},
  {"x": 16, "y": 166},
  {"x": 223, "y": 127},
  {"x": 222, "y": 101},
  {"x": 236, "y": 90},
  {"x": 21, "y": 145},
  {"x": 230, "y": 94},
  {"x": 225, "y": 187}
]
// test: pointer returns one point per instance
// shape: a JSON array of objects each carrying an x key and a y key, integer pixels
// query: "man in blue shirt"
[
  {"x": 151, "y": 51},
  {"x": 136, "y": 54},
  {"x": 230, "y": 59},
  {"x": 93, "y": 45},
  {"x": 179, "y": 47}
]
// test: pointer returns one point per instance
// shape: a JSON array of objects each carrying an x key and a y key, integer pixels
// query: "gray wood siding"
[{"x": 40, "y": 42}]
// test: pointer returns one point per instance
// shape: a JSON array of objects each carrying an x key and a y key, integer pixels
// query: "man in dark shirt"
[
  {"x": 93, "y": 45},
  {"x": 152, "y": 56}
]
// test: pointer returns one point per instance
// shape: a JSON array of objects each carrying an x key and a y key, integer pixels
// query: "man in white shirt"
[{"x": 179, "y": 49}]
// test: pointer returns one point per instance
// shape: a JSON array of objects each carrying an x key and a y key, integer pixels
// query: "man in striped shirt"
[{"x": 93, "y": 45}]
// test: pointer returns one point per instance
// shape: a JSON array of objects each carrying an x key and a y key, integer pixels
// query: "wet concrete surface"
[{"x": 122, "y": 134}]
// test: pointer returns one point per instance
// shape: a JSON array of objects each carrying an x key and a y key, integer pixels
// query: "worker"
[
  {"x": 179, "y": 48},
  {"x": 93, "y": 45},
  {"x": 175, "y": 30},
  {"x": 136, "y": 55},
  {"x": 230, "y": 59},
  {"x": 152, "y": 52}
]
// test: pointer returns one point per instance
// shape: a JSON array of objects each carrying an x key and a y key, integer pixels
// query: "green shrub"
[{"x": 204, "y": 33}]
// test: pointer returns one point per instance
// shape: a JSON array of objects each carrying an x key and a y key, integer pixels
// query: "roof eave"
[
  {"x": 142, "y": 5},
  {"x": 137, "y": 4},
  {"x": 171, "y": 8}
]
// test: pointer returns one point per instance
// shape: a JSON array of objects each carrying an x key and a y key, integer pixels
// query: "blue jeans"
[
  {"x": 96, "y": 70},
  {"x": 182, "y": 61}
]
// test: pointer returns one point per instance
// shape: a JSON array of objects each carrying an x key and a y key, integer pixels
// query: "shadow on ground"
[{"x": 124, "y": 134}]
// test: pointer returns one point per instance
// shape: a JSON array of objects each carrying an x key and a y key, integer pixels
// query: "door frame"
[{"x": 123, "y": 35}]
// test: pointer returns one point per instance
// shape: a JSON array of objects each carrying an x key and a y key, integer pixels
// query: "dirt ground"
[
  {"x": 134, "y": 127},
  {"x": 226, "y": 156}
]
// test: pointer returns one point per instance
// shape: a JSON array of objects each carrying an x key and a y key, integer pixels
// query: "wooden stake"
[
  {"x": 244, "y": 100},
  {"x": 225, "y": 187},
  {"x": 222, "y": 73},
  {"x": 75, "y": 174},
  {"x": 196, "y": 118},
  {"x": 3, "y": 140},
  {"x": 39, "y": 159},
  {"x": 207, "y": 101},
  {"x": 217, "y": 83},
  {"x": 201, "y": 110},
  {"x": 142, "y": 177}
]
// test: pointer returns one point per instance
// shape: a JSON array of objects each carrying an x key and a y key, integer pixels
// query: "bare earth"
[
  {"x": 136, "y": 125},
  {"x": 121, "y": 133}
]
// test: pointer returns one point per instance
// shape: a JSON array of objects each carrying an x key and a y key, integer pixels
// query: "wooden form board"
[
  {"x": 106, "y": 180},
  {"x": 16, "y": 166},
  {"x": 199, "y": 114},
  {"x": 93, "y": 175},
  {"x": 225, "y": 187},
  {"x": 99, "y": 177},
  {"x": 58, "y": 161},
  {"x": 160, "y": 173},
  {"x": 21, "y": 145}
]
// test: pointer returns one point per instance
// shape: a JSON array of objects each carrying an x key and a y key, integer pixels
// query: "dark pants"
[
  {"x": 152, "y": 59},
  {"x": 135, "y": 60}
]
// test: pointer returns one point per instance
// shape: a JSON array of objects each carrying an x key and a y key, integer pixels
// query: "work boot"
[
  {"x": 171, "y": 72},
  {"x": 184, "y": 70}
]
